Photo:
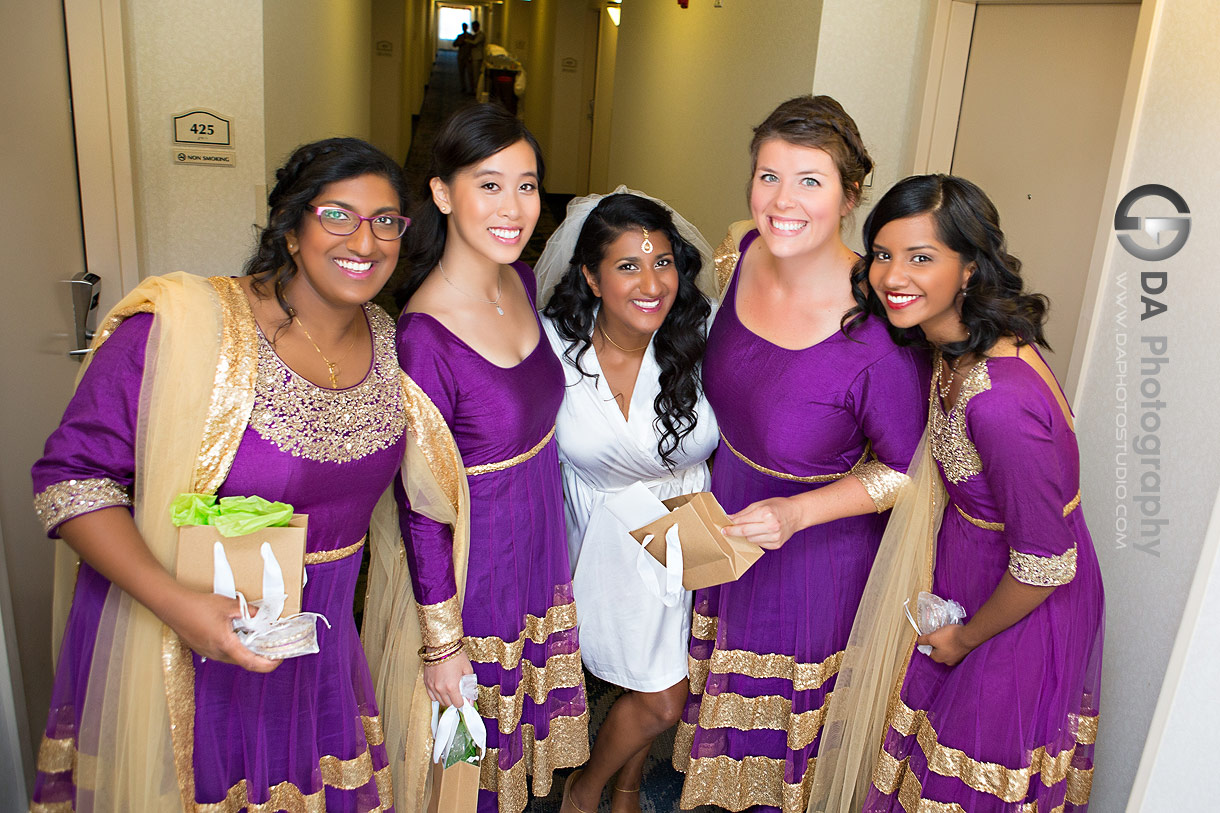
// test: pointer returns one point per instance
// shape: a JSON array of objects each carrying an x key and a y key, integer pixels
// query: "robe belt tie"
[
  {"x": 813, "y": 478},
  {"x": 999, "y": 526},
  {"x": 487, "y": 468}
]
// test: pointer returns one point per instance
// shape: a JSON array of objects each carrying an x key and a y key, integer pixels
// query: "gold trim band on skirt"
[
  {"x": 488, "y": 468},
  {"x": 1072, "y": 505},
  {"x": 321, "y": 557},
  {"x": 813, "y": 478}
]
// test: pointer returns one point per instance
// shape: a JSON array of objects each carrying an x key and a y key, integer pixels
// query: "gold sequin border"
[
  {"x": 440, "y": 623},
  {"x": 323, "y": 557},
  {"x": 1072, "y": 505},
  {"x": 882, "y": 483},
  {"x": 490, "y": 649},
  {"x": 910, "y": 796},
  {"x": 948, "y": 438},
  {"x": 488, "y": 468},
  {"x": 288, "y": 797},
  {"x": 559, "y": 672},
  {"x": 233, "y": 388},
  {"x": 725, "y": 260},
  {"x": 813, "y": 478},
  {"x": 433, "y": 438},
  {"x": 803, "y": 676},
  {"x": 703, "y": 627},
  {"x": 1043, "y": 571},
  {"x": 566, "y": 746},
  {"x": 1009, "y": 784},
  {"x": 774, "y": 712},
  {"x": 67, "y": 499},
  {"x": 738, "y": 784}
]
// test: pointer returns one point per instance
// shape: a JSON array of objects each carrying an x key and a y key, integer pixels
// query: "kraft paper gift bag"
[
  {"x": 709, "y": 557},
  {"x": 454, "y": 789},
  {"x": 459, "y": 744},
  {"x": 196, "y": 558}
]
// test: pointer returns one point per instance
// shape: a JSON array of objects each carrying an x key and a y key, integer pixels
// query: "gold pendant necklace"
[
  {"x": 606, "y": 336},
  {"x": 332, "y": 367}
]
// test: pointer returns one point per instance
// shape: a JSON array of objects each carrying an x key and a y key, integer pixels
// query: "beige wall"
[
  {"x": 539, "y": 54},
  {"x": 37, "y": 252},
  {"x": 419, "y": 49},
  {"x": 689, "y": 86},
  {"x": 1172, "y": 111},
  {"x": 317, "y": 72},
  {"x": 194, "y": 53},
  {"x": 872, "y": 57}
]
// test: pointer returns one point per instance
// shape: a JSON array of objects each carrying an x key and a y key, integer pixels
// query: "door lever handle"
[{"x": 86, "y": 291}]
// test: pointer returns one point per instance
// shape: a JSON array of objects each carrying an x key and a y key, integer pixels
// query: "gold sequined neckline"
[
  {"x": 317, "y": 423},
  {"x": 951, "y": 444}
]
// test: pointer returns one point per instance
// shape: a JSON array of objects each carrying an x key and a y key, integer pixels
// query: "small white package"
[{"x": 266, "y": 633}]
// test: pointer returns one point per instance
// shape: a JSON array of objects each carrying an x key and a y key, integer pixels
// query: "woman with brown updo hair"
[{"x": 819, "y": 418}]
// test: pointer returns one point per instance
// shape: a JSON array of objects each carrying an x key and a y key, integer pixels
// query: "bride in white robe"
[
  {"x": 628, "y": 636},
  {"x": 624, "y": 312}
]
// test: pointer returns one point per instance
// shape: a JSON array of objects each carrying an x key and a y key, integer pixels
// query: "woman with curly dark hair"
[
  {"x": 630, "y": 324},
  {"x": 282, "y": 384},
  {"x": 1002, "y": 711}
]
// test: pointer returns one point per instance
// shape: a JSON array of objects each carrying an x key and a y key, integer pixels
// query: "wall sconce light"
[{"x": 614, "y": 13}]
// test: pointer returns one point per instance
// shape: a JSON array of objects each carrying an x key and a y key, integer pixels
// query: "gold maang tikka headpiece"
[{"x": 646, "y": 246}]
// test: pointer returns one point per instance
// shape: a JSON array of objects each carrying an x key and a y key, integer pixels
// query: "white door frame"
[
  {"x": 96, "y": 63},
  {"x": 952, "y": 31}
]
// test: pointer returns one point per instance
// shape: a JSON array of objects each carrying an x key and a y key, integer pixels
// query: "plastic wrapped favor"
[{"x": 931, "y": 613}]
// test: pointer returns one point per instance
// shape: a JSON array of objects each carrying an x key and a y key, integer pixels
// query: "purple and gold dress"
[
  {"x": 1011, "y": 727},
  {"x": 518, "y": 616},
  {"x": 308, "y": 735},
  {"x": 765, "y": 649}
]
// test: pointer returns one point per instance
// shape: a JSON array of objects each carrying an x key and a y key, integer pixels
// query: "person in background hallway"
[
  {"x": 1002, "y": 714},
  {"x": 486, "y": 551},
  {"x": 819, "y": 416},
  {"x": 629, "y": 322},
  {"x": 282, "y": 384},
  {"x": 462, "y": 44},
  {"x": 478, "y": 48}
]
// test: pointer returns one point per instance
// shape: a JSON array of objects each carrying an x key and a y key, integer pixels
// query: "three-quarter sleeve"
[
  {"x": 88, "y": 462},
  {"x": 1012, "y": 429},
  {"x": 429, "y": 544},
  {"x": 890, "y": 399}
]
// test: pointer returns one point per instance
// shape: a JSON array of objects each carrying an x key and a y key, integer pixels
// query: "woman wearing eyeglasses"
[{"x": 283, "y": 384}]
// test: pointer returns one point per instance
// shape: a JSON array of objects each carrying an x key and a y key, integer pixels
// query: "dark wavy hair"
[
  {"x": 995, "y": 304},
  {"x": 819, "y": 122},
  {"x": 302, "y": 178},
  {"x": 681, "y": 339},
  {"x": 470, "y": 135}
]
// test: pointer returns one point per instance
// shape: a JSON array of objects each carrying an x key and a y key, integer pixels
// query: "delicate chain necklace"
[
  {"x": 494, "y": 302},
  {"x": 954, "y": 374},
  {"x": 332, "y": 367},
  {"x": 606, "y": 336}
]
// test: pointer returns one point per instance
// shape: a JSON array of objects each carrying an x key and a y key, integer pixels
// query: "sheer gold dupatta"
[
  {"x": 435, "y": 481},
  {"x": 136, "y": 732},
  {"x": 880, "y": 645}
]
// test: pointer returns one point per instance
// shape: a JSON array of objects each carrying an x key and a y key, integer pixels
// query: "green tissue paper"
[{"x": 230, "y": 516}]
